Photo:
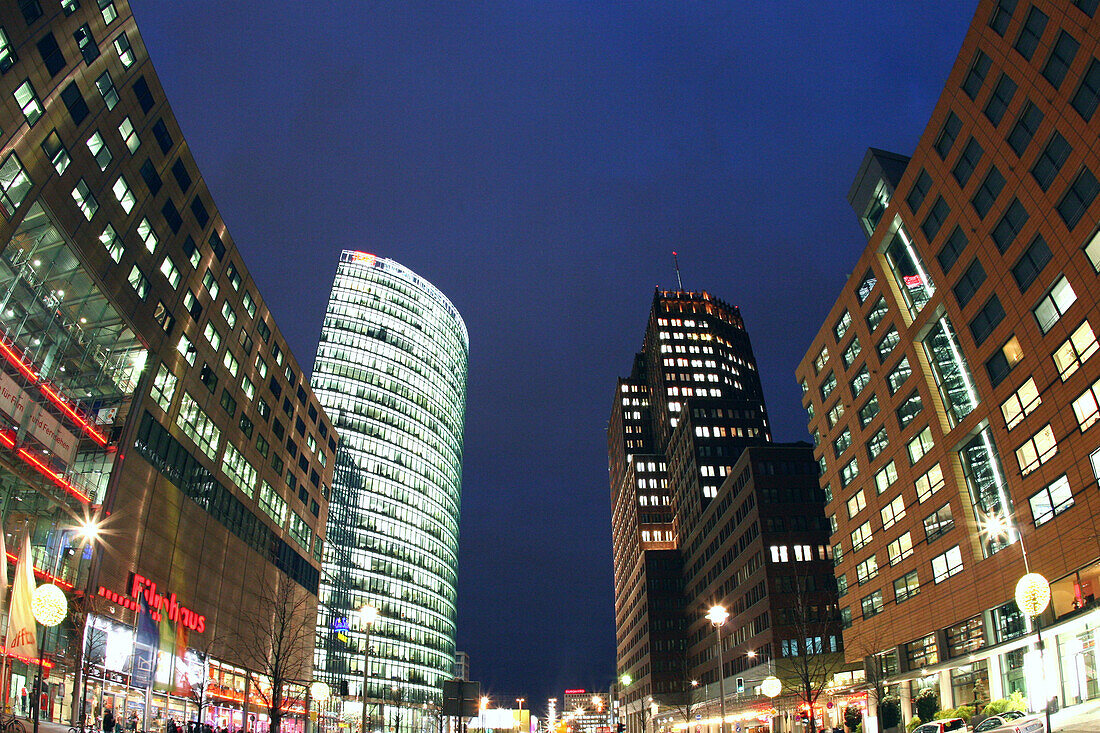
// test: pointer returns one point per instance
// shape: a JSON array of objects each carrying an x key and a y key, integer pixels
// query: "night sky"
[{"x": 538, "y": 161}]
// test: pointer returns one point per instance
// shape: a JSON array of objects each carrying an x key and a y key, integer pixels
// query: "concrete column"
[
  {"x": 906, "y": 697},
  {"x": 996, "y": 682},
  {"x": 947, "y": 693}
]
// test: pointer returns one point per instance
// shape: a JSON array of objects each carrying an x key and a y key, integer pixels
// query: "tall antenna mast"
[{"x": 676, "y": 262}]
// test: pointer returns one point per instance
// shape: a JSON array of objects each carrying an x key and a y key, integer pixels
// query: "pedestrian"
[
  {"x": 23, "y": 698},
  {"x": 132, "y": 721},
  {"x": 171, "y": 727},
  {"x": 108, "y": 721}
]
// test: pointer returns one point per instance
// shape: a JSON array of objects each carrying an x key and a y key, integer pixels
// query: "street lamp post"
[
  {"x": 368, "y": 614},
  {"x": 49, "y": 607},
  {"x": 88, "y": 532},
  {"x": 717, "y": 615}
]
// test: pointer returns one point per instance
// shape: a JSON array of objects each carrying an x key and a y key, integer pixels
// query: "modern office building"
[
  {"x": 146, "y": 387},
  {"x": 952, "y": 391},
  {"x": 391, "y": 371},
  {"x": 685, "y": 529}
]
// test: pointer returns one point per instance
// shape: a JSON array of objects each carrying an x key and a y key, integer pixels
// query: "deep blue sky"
[{"x": 538, "y": 161}]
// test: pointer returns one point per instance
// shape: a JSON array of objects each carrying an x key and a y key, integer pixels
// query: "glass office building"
[{"x": 391, "y": 372}]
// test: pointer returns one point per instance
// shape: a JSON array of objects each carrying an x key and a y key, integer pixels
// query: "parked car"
[
  {"x": 1012, "y": 722},
  {"x": 944, "y": 725}
]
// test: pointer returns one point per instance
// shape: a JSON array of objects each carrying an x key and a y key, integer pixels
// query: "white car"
[
  {"x": 1012, "y": 722},
  {"x": 944, "y": 725}
]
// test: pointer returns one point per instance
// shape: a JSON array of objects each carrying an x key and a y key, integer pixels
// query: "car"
[
  {"x": 1012, "y": 721},
  {"x": 944, "y": 725}
]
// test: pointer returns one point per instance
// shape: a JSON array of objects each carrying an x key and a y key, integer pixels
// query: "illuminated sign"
[
  {"x": 158, "y": 603},
  {"x": 364, "y": 258},
  {"x": 340, "y": 623},
  {"x": 913, "y": 281},
  {"x": 575, "y": 692}
]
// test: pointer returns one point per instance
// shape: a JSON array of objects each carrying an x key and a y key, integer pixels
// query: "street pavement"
[{"x": 1083, "y": 718}]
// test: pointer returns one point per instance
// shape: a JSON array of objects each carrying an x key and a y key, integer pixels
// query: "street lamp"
[
  {"x": 1032, "y": 594},
  {"x": 49, "y": 607},
  {"x": 484, "y": 705},
  {"x": 368, "y": 614},
  {"x": 88, "y": 531},
  {"x": 717, "y": 615},
  {"x": 520, "y": 701}
]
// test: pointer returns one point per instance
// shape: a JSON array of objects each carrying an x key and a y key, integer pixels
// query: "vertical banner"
[
  {"x": 22, "y": 633},
  {"x": 146, "y": 642},
  {"x": 3, "y": 564}
]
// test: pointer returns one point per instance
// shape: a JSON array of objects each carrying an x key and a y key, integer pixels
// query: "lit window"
[
  {"x": 168, "y": 269},
  {"x": 867, "y": 570},
  {"x": 842, "y": 443},
  {"x": 1054, "y": 304},
  {"x": 1051, "y": 501},
  {"x": 849, "y": 472},
  {"x": 828, "y": 385},
  {"x": 872, "y": 604},
  {"x": 107, "y": 8},
  {"x": 111, "y": 242},
  {"x": 138, "y": 281},
  {"x": 878, "y": 443},
  {"x": 892, "y": 512},
  {"x": 7, "y": 53},
  {"x": 861, "y": 535},
  {"x": 885, "y": 477},
  {"x": 186, "y": 348},
  {"x": 1037, "y": 450},
  {"x": 124, "y": 194},
  {"x": 929, "y": 483},
  {"x": 210, "y": 284},
  {"x": 906, "y": 587},
  {"x": 147, "y": 235},
  {"x": 919, "y": 446},
  {"x": 851, "y": 353},
  {"x": 938, "y": 523},
  {"x": 868, "y": 412},
  {"x": 129, "y": 135},
  {"x": 99, "y": 150},
  {"x": 164, "y": 387},
  {"x": 228, "y": 314},
  {"x": 212, "y": 336},
  {"x": 900, "y": 548},
  {"x": 1075, "y": 350},
  {"x": 56, "y": 152},
  {"x": 897, "y": 376},
  {"x": 856, "y": 504},
  {"x": 1086, "y": 408},
  {"x": 1020, "y": 403},
  {"x": 842, "y": 325},
  {"x": 125, "y": 52},
  {"x": 947, "y": 564},
  {"x": 14, "y": 184},
  {"x": 84, "y": 199},
  {"x": 860, "y": 381},
  {"x": 107, "y": 89},
  {"x": 27, "y": 99}
]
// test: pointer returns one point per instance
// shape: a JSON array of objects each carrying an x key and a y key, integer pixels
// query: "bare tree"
[
  {"x": 275, "y": 643},
  {"x": 815, "y": 651},
  {"x": 684, "y": 697},
  {"x": 82, "y": 646}
]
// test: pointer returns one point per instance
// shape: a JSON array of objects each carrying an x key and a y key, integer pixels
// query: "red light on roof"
[
  {"x": 53, "y": 475},
  {"x": 43, "y": 574},
  {"x": 17, "y": 361},
  {"x": 75, "y": 416},
  {"x": 365, "y": 257}
]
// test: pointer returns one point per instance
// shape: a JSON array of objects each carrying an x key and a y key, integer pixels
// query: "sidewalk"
[{"x": 1083, "y": 718}]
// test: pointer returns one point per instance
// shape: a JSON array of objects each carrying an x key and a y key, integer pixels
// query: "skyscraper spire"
[{"x": 676, "y": 263}]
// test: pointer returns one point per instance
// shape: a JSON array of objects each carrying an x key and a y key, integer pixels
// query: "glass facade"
[{"x": 391, "y": 372}]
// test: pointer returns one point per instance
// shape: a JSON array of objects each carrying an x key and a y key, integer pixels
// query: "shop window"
[
  {"x": 966, "y": 637},
  {"x": 922, "y": 652}
]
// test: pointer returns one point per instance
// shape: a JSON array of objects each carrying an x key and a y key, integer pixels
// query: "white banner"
[
  {"x": 18, "y": 405},
  {"x": 22, "y": 637}
]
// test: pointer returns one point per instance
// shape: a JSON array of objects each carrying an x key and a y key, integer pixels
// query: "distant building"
[
  {"x": 391, "y": 371},
  {"x": 586, "y": 711},
  {"x": 460, "y": 670},
  {"x": 691, "y": 465},
  {"x": 952, "y": 390}
]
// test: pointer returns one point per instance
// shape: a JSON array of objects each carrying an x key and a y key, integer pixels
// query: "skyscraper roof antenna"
[{"x": 676, "y": 262}]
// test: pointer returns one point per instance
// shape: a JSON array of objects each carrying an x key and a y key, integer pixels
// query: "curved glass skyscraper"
[{"x": 391, "y": 373}]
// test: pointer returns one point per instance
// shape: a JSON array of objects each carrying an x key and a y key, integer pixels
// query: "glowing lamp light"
[
  {"x": 319, "y": 691},
  {"x": 626, "y": 679},
  {"x": 771, "y": 686},
  {"x": 717, "y": 615},
  {"x": 369, "y": 614},
  {"x": 49, "y": 605},
  {"x": 1032, "y": 594}
]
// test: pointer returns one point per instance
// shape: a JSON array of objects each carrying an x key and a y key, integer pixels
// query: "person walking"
[{"x": 108, "y": 721}]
